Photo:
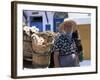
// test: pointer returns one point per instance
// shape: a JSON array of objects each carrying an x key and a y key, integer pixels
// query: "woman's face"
[{"x": 68, "y": 30}]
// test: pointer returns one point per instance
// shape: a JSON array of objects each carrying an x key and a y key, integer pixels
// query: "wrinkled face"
[{"x": 68, "y": 29}]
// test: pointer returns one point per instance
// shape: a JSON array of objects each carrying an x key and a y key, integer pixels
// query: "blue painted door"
[
  {"x": 36, "y": 21},
  {"x": 57, "y": 22}
]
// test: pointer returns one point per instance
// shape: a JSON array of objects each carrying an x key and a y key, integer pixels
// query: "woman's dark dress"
[{"x": 66, "y": 47}]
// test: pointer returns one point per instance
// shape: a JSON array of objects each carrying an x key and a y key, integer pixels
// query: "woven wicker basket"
[
  {"x": 39, "y": 55},
  {"x": 40, "y": 61}
]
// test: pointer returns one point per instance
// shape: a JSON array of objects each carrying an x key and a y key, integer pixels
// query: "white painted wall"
[{"x": 80, "y": 18}]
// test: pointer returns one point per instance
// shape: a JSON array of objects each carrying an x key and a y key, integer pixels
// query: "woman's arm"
[{"x": 56, "y": 59}]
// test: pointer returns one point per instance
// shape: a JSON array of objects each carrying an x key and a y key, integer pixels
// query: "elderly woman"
[{"x": 65, "y": 50}]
